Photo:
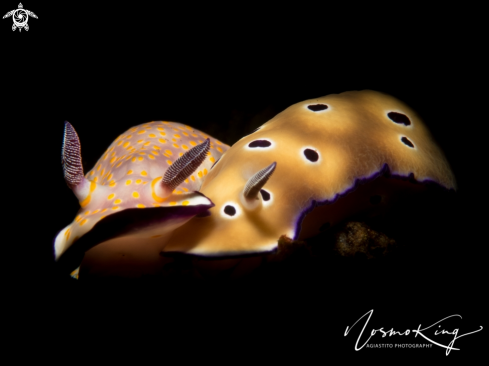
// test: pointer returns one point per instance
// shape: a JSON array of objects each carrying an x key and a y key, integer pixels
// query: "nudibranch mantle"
[
  {"x": 128, "y": 177},
  {"x": 320, "y": 149}
]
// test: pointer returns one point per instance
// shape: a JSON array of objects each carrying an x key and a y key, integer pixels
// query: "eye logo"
[{"x": 20, "y": 17}]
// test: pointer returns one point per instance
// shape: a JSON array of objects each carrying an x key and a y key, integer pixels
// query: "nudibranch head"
[
  {"x": 311, "y": 154},
  {"x": 141, "y": 189}
]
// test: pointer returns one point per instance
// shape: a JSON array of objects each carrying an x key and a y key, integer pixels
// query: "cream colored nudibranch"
[
  {"x": 155, "y": 168},
  {"x": 304, "y": 170}
]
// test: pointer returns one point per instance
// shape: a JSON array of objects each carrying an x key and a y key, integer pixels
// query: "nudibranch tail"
[
  {"x": 257, "y": 181},
  {"x": 183, "y": 168}
]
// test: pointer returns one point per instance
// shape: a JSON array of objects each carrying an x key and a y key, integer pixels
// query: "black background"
[{"x": 226, "y": 70}]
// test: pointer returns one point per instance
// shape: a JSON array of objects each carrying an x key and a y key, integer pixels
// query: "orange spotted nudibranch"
[{"x": 142, "y": 188}]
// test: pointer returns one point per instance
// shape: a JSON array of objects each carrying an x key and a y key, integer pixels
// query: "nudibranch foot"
[{"x": 108, "y": 247}]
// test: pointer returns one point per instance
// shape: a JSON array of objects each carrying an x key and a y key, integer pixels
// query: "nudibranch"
[
  {"x": 143, "y": 187},
  {"x": 310, "y": 167}
]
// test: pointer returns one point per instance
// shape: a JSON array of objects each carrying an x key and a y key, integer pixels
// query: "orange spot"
[
  {"x": 115, "y": 208},
  {"x": 83, "y": 222},
  {"x": 145, "y": 182},
  {"x": 135, "y": 194},
  {"x": 140, "y": 205},
  {"x": 119, "y": 143},
  {"x": 133, "y": 129},
  {"x": 153, "y": 193},
  {"x": 200, "y": 141},
  {"x": 102, "y": 172},
  {"x": 169, "y": 162},
  {"x": 142, "y": 153},
  {"x": 174, "y": 140},
  {"x": 95, "y": 179},
  {"x": 208, "y": 152},
  {"x": 219, "y": 149},
  {"x": 155, "y": 153},
  {"x": 162, "y": 133},
  {"x": 147, "y": 143},
  {"x": 103, "y": 217},
  {"x": 110, "y": 176},
  {"x": 138, "y": 181},
  {"x": 86, "y": 201},
  {"x": 144, "y": 174},
  {"x": 112, "y": 183},
  {"x": 160, "y": 129},
  {"x": 92, "y": 172},
  {"x": 178, "y": 192},
  {"x": 126, "y": 144},
  {"x": 87, "y": 213},
  {"x": 117, "y": 201},
  {"x": 139, "y": 141},
  {"x": 151, "y": 135},
  {"x": 128, "y": 137},
  {"x": 177, "y": 136},
  {"x": 98, "y": 167},
  {"x": 151, "y": 156},
  {"x": 176, "y": 146},
  {"x": 199, "y": 174},
  {"x": 129, "y": 181},
  {"x": 103, "y": 210},
  {"x": 212, "y": 159},
  {"x": 156, "y": 147},
  {"x": 112, "y": 160},
  {"x": 188, "y": 128},
  {"x": 141, "y": 132},
  {"x": 162, "y": 140},
  {"x": 173, "y": 203},
  {"x": 78, "y": 218},
  {"x": 169, "y": 152},
  {"x": 110, "y": 196},
  {"x": 194, "y": 135},
  {"x": 185, "y": 203},
  {"x": 186, "y": 180},
  {"x": 185, "y": 133},
  {"x": 193, "y": 178},
  {"x": 185, "y": 189},
  {"x": 180, "y": 154},
  {"x": 205, "y": 171},
  {"x": 193, "y": 143},
  {"x": 67, "y": 234},
  {"x": 185, "y": 147},
  {"x": 94, "y": 212},
  {"x": 156, "y": 204},
  {"x": 140, "y": 158},
  {"x": 129, "y": 172},
  {"x": 134, "y": 159}
]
